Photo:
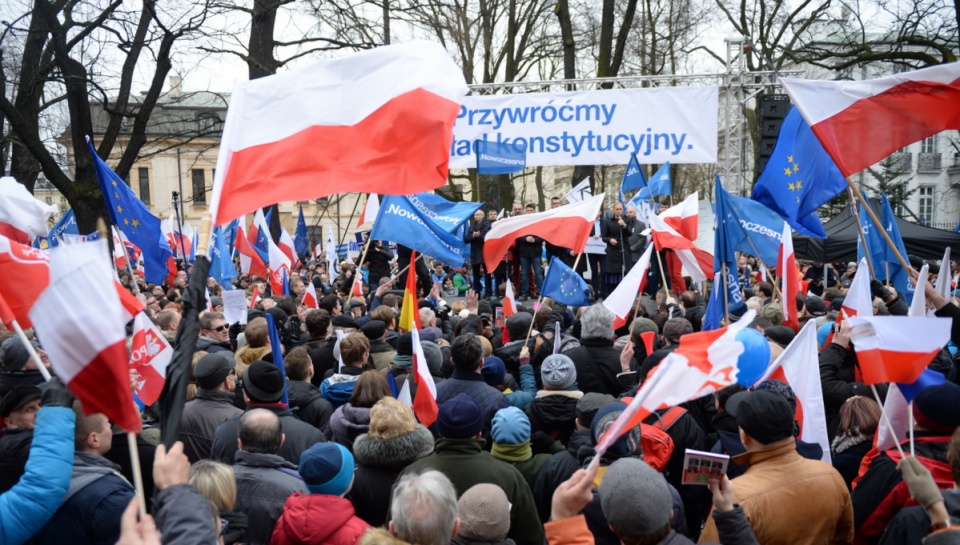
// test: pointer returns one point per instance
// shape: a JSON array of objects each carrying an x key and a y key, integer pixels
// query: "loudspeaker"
[{"x": 772, "y": 110}]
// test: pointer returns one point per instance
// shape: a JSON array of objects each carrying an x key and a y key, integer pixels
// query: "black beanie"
[{"x": 263, "y": 382}]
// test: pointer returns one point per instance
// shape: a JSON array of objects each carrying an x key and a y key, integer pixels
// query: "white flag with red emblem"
[
  {"x": 149, "y": 355},
  {"x": 81, "y": 322}
]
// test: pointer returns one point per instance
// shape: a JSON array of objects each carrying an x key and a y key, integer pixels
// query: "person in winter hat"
[
  {"x": 554, "y": 410},
  {"x": 484, "y": 516},
  {"x": 393, "y": 442},
  {"x": 323, "y": 516},
  {"x": 511, "y": 443}
]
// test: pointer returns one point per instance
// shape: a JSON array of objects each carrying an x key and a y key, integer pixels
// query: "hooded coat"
[
  {"x": 347, "y": 423},
  {"x": 317, "y": 519},
  {"x": 379, "y": 462}
]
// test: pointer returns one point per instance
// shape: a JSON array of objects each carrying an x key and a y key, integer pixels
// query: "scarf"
[{"x": 512, "y": 453}]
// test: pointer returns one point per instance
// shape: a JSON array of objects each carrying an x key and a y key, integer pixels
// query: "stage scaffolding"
[{"x": 739, "y": 88}]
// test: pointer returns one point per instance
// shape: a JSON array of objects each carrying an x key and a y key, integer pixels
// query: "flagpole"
[
  {"x": 183, "y": 249},
  {"x": 726, "y": 292},
  {"x": 770, "y": 274},
  {"x": 863, "y": 237},
  {"x": 663, "y": 275},
  {"x": 910, "y": 420},
  {"x": 886, "y": 418},
  {"x": 30, "y": 350},
  {"x": 530, "y": 331},
  {"x": 363, "y": 255},
  {"x": 876, "y": 221},
  {"x": 352, "y": 214}
]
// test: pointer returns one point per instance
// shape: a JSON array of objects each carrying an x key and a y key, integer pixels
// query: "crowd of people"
[{"x": 511, "y": 457}]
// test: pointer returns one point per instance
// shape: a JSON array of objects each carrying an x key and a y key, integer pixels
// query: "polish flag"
[
  {"x": 761, "y": 275},
  {"x": 370, "y": 211},
  {"x": 357, "y": 289},
  {"x": 943, "y": 281},
  {"x": 317, "y": 251},
  {"x": 150, "y": 354},
  {"x": 287, "y": 247},
  {"x": 704, "y": 363},
  {"x": 684, "y": 217},
  {"x": 279, "y": 268},
  {"x": 87, "y": 349},
  {"x": 789, "y": 281},
  {"x": 425, "y": 401},
  {"x": 799, "y": 367},
  {"x": 509, "y": 301},
  {"x": 858, "y": 301},
  {"x": 918, "y": 307},
  {"x": 23, "y": 217},
  {"x": 699, "y": 263},
  {"x": 568, "y": 226},
  {"x": 896, "y": 348},
  {"x": 26, "y": 273},
  {"x": 380, "y": 120},
  {"x": 181, "y": 243},
  {"x": 206, "y": 294},
  {"x": 120, "y": 257},
  {"x": 250, "y": 260},
  {"x": 310, "y": 299},
  {"x": 909, "y": 106},
  {"x": 621, "y": 299},
  {"x": 254, "y": 297}
]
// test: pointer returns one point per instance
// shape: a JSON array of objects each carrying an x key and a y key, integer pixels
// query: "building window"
[
  {"x": 49, "y": 200},
  {"x": 144, "y": 174},
  {"x": 929, "y": 145},
  {"x": 199, "y": 187},
  {"x": 926, "y": 204},
  {"x": 207, "y": 123}
]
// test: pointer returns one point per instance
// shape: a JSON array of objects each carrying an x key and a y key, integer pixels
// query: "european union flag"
[
  {"x": 500, "y": 158},
  {"x": 221, "y": 262},
  {"x": 633, "y": 178},
  {"x": 565, "y": 285},
  {"x": 277, "y": 352},
  {"x": 301, "y": 239},
  {"x": 799, "y": 177},
  {"x": 133, "y": 218}
]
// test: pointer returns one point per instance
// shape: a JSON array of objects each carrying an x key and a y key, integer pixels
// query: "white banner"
[{"x": 675, "y": 124}]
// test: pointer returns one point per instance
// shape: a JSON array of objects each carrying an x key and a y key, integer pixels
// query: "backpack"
[{"x": 656, "y": 442}]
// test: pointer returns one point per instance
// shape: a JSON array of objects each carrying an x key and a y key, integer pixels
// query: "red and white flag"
[
  {"x": 788, "y": 279},
  {"x": 799, "y": 367},
  {"x": 310, "y": 299},
  {"x": 896, "y": 348},
  {"x": 379, "y": 120},
  {"x": 509, "y": 300},
  {"x": 250, "y": 261},
  {"x": 704, "y": 363},
  {"x": 943, "y": 281},
  {"x": 425, "y": 401},
  {"x": 909, "y": 106},
  {"x": 23, "y": 217},
  {"x": 370, "y": 211},
  {"x": 317, "y": 250},
  {"x": 288, "y": 249},
  {"x": 858, "y": 301},
  {"x": 149, "y": 355},
  {"x": 684, "y": 217},
  {"x": 87, "y": 349},
  {"x": 898, "y": 411},
  {"x": 621, "y": 300},
  {"x": 698, "y": 263},
  {"x": 761, "y": 274},
  {"x": 254, "y": 297},
  {"x": 568, "y": 226},
  {"x": 357, "y": 289},
  {"x": 26, "y": 273},
  {"x": 206, "y": 294}
]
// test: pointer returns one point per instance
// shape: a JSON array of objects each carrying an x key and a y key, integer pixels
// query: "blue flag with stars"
[
  {"x": 564, "y": 284},
  {"x": 301, "y": 239},
  {"x": 799, "y": 177},
  {"x": 133, "y": 218}
]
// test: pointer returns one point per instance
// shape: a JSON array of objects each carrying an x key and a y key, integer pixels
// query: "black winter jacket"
[
  {"x": 311, "y": 407},
  {"x": 299, "y": 435},
  {"x": 558, "y": 469},
  {"x": 598, "y": 364},
  {"x": 554, "y": 413}
]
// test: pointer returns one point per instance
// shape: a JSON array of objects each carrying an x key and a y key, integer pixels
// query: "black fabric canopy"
[{"x": 841, "y": 242}]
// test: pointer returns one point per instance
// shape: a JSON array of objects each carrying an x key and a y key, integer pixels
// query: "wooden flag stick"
[
  {"x": 770, "y": 275},
  {"x": 363, "y": 255},
  {"x": 863, "y": 237},
  {"x": 876, "y": 221},
  {"x": 30, "y": 350},
  {"x": 137, "y": 476}
]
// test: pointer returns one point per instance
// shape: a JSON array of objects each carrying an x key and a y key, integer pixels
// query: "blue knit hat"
[
  {"x": 327, "y": 468},
  {"x": 493, "y": 371},
  {"x": 460, "y": 417},
  {"x": 510, "y": 427},
  {"x": 627, "y": 443}
]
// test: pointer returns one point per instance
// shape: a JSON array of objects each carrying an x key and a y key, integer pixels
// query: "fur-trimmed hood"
[
  {"x": 395, "y": 453},
  {"x": 247, "y": 355}
]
